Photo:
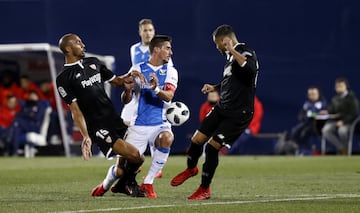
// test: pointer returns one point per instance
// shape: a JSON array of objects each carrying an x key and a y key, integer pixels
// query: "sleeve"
[
  {"x": 132, "y": 54},
  {"x": 172, "y": 76},
  {"x": 106, "y": 74},
  {"x": 251, "y": 64},
  {"x": 135, "y": 67},
  {"x": 64, "y": 89}
]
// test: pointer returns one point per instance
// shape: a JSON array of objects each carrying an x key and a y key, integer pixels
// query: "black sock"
[
  {"x": 194, "y": 154},
  {"x": 131, "y": 170},
  {"x": 209, "y": 167}
]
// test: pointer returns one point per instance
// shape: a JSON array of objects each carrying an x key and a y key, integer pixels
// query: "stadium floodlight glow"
[{"x": 50, "y": 50}]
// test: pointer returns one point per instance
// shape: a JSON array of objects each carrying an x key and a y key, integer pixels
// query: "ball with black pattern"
[{"x": 177, "y": 113}]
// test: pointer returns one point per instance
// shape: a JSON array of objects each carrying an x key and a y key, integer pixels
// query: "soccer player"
[
  {"x": 230, "y": 116},
  {"x": 149, "y": 125},
  {"x": 81, "y": 86}
]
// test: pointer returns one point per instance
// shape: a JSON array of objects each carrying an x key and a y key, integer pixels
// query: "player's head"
[
  {"x": 313, "y": 93},
  {"x": 72, "y": 46},
  {"x": 341, "y": 85},
  {"x": 220, "y": 33},
  {"x": 160, "y": 46},
  {"x": 146, "y": 30}
]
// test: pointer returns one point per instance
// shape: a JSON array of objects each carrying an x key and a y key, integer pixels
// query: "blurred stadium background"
[{"x": 299, "y": 43}]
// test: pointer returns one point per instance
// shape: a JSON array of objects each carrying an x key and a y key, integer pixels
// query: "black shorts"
[
  {"x": 225, "y": 128},
  {"x": 104, "y": 133}
]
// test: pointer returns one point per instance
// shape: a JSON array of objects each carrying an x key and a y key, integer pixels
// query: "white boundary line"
[{"x": 314, "y": 197}]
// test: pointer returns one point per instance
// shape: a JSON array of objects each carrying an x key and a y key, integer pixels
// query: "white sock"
[
  {"x": 110, "y": 178},
  {"x": 160, "y": 157}
]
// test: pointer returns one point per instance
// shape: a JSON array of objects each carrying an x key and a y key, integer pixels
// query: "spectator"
[
  {"x": 7, "y": 115},
  {"x": 206, "y": 107},
  {"x": 252, "y": 130},
  {"x": 8, "y": 86},
  {"x": 54, "y": 133},
  {"x": 307, "y": 123},
  {"x": 29, "y": 119},
  {"x": 26, "y": 86},
  {"x": 343, "y": 110}
]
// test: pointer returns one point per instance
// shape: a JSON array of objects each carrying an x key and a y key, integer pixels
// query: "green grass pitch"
[{"x": 241, "y": 184}]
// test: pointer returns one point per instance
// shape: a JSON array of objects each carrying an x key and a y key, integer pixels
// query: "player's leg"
[
  {"x": 208, "y": 126},
  {"x": 161, "y": 153},
  {"x": 137, "y": 136},
  {"x": 114, "y": 172},
  {"x": 228, "y": 131}
]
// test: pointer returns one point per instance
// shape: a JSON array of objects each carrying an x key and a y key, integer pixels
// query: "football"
[{"x": 177, "y": 113}]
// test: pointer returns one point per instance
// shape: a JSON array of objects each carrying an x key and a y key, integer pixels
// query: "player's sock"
[
  {"x": 159, "y": 159},
  {"x": 131, "y": 169},
  {"x": 193, "y": 155},
  {"x": 110, "y": 178},
  {"x": 209, "y": 167}
]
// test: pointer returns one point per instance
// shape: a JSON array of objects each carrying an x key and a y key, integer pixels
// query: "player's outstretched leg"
[
  {"x": 103, "y": 187},
  {"x": 193, "y": 156}
]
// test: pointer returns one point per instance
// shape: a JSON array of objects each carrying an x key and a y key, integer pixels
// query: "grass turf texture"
[{"x": 241, "y": 184}]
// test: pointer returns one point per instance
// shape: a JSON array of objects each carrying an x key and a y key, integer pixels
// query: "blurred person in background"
[
  {"x": 251, "y": 131},
  {"x": 342, "y": 110},
  {"x": 207, "y": 106},
  {"x": 7, "y": 116}
]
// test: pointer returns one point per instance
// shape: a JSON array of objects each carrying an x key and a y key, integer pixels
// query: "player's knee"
[
  {"x": 165, "y": 140},
  {"x": 199, "y": 138}
]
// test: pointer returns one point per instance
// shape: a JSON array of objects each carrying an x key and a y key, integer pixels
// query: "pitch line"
[{"x": 320, "y": 197}]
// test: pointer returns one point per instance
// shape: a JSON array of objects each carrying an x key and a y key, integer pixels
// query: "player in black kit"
[
  {"x": 230, "y": 116},
  {"x": 81, "y": 86}
]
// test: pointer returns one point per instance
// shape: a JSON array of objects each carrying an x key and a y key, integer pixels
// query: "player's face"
[
  {"x": 165, "y": 52},
  {"x": 77, "y": 47},
  {"x": 146, "y": 32},
  {"x": 219, "y": 44},
  {"x": 340, "y": 87},
  {"x": 313, "y": 95}
]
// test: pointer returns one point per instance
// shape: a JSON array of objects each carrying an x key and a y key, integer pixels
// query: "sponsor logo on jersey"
[
  {"x": 93, "y": 79},
  {"x": 162, "y": 72},
  {"x": 92, "y": 66},
  {"x": 62, "y": 91}
]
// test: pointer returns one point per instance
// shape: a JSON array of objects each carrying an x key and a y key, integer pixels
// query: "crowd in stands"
[
  {"x": 317, "y": 118},
  {"x": 22, "y": 109}
]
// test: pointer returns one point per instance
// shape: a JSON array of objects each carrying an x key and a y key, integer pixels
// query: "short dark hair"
[
  {"x": 343, "y": 80},
  {"x": 158, "y": 41},
  {"x": 223, "y": 30}
]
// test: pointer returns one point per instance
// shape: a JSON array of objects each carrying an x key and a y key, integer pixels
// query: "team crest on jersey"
[
  {"x": 62, "y": 91},
  {"x": 93, "y": 66},
  {"x": 227, "y": 71},
  {"x": 108, "y": 139}
]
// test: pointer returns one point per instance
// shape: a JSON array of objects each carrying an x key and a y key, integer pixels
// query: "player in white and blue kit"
[{"x": 147, "y": 123}]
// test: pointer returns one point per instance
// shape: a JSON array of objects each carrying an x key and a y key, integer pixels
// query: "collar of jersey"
[{"x": 79, "y": 62}]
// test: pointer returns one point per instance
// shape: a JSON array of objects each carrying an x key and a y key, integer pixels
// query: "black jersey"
[
  {"x": 83, "y": 82},
  {"x": 238, "y": 86}
]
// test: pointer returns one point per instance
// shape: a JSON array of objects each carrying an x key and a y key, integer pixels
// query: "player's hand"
[
  {"x": 86, "y": 148},
  {"x": 137, "y": 74},
  {"x": 129, "y": 83},
  {"x": 207, "y": 88},
  {"x": 228, "y": 43},
  {"x": 154, "y": 81}
]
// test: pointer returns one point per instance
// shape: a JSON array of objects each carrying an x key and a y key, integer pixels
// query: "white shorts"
[{"x": 141, "y": 136}]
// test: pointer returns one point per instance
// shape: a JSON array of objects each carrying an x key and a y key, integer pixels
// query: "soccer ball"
[{"x": 177, "y": 113}]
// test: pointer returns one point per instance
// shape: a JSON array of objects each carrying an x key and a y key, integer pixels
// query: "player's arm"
[
  {"x": 79, "y": 120},
  {"x": 165, "y": 94},
  {"x": 247, "y": 63}
]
